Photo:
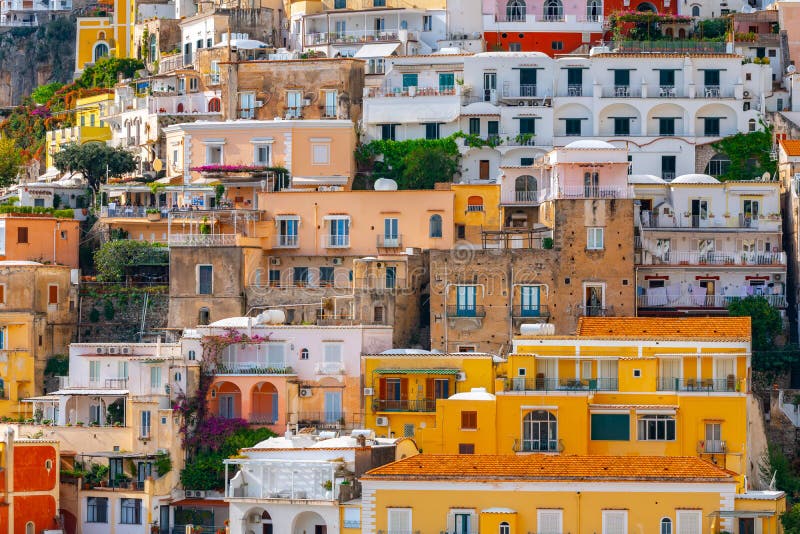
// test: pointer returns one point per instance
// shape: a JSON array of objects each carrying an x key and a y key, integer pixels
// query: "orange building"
[
  {"x": 29, "y": 476},
  {"x": 41, "y": 238}
]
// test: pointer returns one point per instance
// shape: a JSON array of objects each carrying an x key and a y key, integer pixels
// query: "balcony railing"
[
  {"x": 380, "y": 283},
  {"x": 329, "y": 368},
  {"x": 594, "y": 311},
  {"x": 389, "y": 241},
  {"x": 253, "y": 368},
  {"x": 700, "y": 301},
  {"x": 406, "y": 405},
  {"x": 336, "y": 241},
  {"x": 524, "y": 383},
  {"x": 530, "y": 198},
  {"x": 202, "y": 240},
  {"x": 377, "y": 92},
  {"x": 116, "y": 383},
  {"x": 356, "y": 36},
  {"x": 621, "y": 91},
  {"x": 606, "y": 191},
  {"x": 520, "y": 91},
  {"x": 729, "y": 384},
  {"x": 732, "y": 259},
  {"x": 330, "y": 112},
  {"x": 262, "y": 419},
  {"x": 538, "y": 445},
  {"x": 329, "y": 419},
  {"x": 696, "y": 222},
  {"x": 512, "y": 238},
  {"x": 466, "y": 311},
  {"x": 712, "y": 446},
  {"x": 530, "y": 312},
  {"x": 287, "y": 241},
  {"x": 665, "y": 46}
]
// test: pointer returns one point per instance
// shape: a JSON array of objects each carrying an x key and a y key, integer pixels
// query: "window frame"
[
  {"x": 125, "y": 511},
  {"x": 644, "y": 430},
  {"x": 93, "y": 512},
  {"x": 435, "y": 224},
  {"x": 198, "y": 268},
  {"x": 595, "y": 238},
  {"x": 469, "y": 420}
]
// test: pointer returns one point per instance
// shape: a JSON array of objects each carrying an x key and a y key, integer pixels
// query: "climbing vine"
[{"x": 750, "y": 154}]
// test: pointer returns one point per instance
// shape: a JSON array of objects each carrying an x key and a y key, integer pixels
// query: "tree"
[
  {"x": 11, "y": 159},
  {"x": 44, "y": 93},
  {"x": 95, "y": 160},
  {"x": 790, "y": 519},
  {"x": 426, "y": 166},
  {"x": 414, "y": 163},
  {"x": 750, "y": 154},
  {"x": 766, "y": 325},
  {"x": 107, "y": 70},
  {"x": 113, "y": 258}
]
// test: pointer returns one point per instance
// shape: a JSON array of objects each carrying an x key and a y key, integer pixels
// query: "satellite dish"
[
  {"x": 791, "y": 69},
  {"x": 766, "y": 176},
  {"x": 158, "y": 165}
]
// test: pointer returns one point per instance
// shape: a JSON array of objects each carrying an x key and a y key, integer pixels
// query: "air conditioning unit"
[
  {"x": 777, "y": 277},
  {"x": 113, "y": 350},
  {"x": 521, "y": 103},
  {"x": 460, "y": 377},
  {"x": 368, "y": 392},
  {"x": 746, "y": 94},
  {"x": 382, "y": 421},
  {"x": 380, "y": 265},
  {"x": 274, "y": 261},
  {"x": 199, "y": 494},
  {"x": 305, "y": 392},
  {"x": 100, "y": 350},
  {"x": 126, "y": 350},
  {"x": 536, "y": 103},
  {"x": 337, "y": 261}
]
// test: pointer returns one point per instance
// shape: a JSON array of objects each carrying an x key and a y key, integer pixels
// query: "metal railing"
[
  {"x": 330, "y": 112},
  {"x": 116, "y": 383},
  {"x": 520, "y": 91},
  {"x": 465, "y": 311},
  {"x": 712, "y": 446},
  {"x": 700, "y": 301},
  {"x": 530, "y": 312},
  {"x": 525, "y": 383},
  {"x": 609, "y": 191},
  {"x": 329, "y": 419},
  {"x": 621, "y": 91},
  {"x": 729, "y": 384},
  {"x": 406, "y": 405},
  {"x": 202, "y": 240},
  {"x": 389, "y": 241},
  {"x": 356, "y": 36},
  {"x": 287, "y": 241},
  {"x": 574, "y": 89},
  {"x": 524, "y": 197},
  {"x": 538, "y": 445},
  {"x": 676, "y": 47},
  {"x": 336, "y": 241},
  {"x": 594, "y": 311},
  {"x": 511, "y": 239},
  {"x": 716, "y": 258},
  {"x": 329, "y": 368},
  {"x": 253, "y": 368},
  {"x": 262, "y": 419},
  {"x": 444, "y": 90},
  {"x": 697, "y": 222}
]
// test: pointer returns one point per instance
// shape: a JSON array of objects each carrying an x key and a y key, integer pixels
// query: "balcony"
[
  {"x": 712, "y": 446},
  {"x": 459, "y": 311},
  {"x": 716, "y": 91},
  {"x": 170, "y": 63},
  {"x": 287, "y": 241},
  {"x": 380, "y": 283},
  {"x": 524, "y": 383},
  {"x": 700, "y": 223},
  {"x": 253, "y": 368},
  {"x": 607, "y": 191},
  {"x": 726, "y": 259},
  {"x": 329, "y": 368},
  {"x": 333, "y": 420},
  {"x": 594, "y": 311},
  {"x": 512, "y": 238},
  {"x": 521, "y": 92},
  {"x": 411, "y": 91},
  {"x": 621, "y": 91},
  {"x": 389, "y": 241},
  {"x": 729, "y": 384},
  {"x": 202, "y": 240},
  {"x": 512, "y": 197},
  {"x": 336, "y": 241},
  {"x": 330, "y": 112},
  {"x": 414, "y": 405},
  {"x": 667, "y": 301},
  {"x": 538, "y": 445},
  {"x": 668, "y": 47},
  {"x": 356, "y": 36},
  {"x": 530, "y": 312},
  {"x": 115, "y": 383}
]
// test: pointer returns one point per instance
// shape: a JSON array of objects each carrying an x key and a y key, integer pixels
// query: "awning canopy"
[
  {"x": 417, "y": 371},
  {"x": 376, "y": 50},
  {"x": 93, "y": 392},
  {"x": 43, "y": 398},
  {"x": 319, "y": 180},
  {"x": 742, "y": 513}
]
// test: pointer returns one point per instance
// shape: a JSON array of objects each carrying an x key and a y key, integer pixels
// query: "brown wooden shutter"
[{"x": 403, "y": 388}]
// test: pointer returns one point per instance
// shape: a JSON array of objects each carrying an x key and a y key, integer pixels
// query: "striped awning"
[{"x": 417, "y": 371}]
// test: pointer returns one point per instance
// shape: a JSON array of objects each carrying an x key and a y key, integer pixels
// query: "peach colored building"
[{"x": 30, "y": 237}]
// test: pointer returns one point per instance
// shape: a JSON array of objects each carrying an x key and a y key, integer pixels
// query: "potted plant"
[
  {"x": 153, "y": 214},
  {"x": 79, "y": 423}
]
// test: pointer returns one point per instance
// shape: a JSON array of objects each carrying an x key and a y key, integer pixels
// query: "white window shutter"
[
  {"x": 689, "y": 522},
  {"x": 615, "y": 522},
  {"x": 549, "y": 522}
]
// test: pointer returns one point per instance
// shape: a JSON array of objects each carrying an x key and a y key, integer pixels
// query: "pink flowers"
[{"x": 229, "y": 168}]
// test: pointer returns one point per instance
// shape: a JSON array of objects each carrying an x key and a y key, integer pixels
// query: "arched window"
[
  {"x": 553, "y": 10},
  {"x": 666, "y": 526},
  {"x": 213, "y": 105},
  {"x": 668, "y": 32},
  {"x": 505, "y": 528},
  {"x": 178, "y": 377},
  {"x": 751, "y": 125},
  {"x": 539, "y": 432},
  {"x": 475, "y": 203},
  {"x": 435, "y": 226},
  {"x": 718, "y": 165},
  {"x": 179, "y": 109},
  {"x": 30, "y": 528},
  {"x": 204, "y": 317},
  {"x": 594, "y": 10},
  {"x": 515, "y": 11},
  {"x": 303, "y": 354},
  {"x": 100, "y": 51},
  {"x": 695, "y": 11},
  {"x": 525, "y": 188},
  {"x": 101, "y": 36},
  {"x": 153, "y": 45},
  {"x": 646, "y": 7},
  {"x": 681, "y": 33}
]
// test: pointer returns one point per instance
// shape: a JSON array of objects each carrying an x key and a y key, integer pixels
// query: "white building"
[
  {"x": 304, "y": 484},
  {"x": 703, "y": 244},
  {"x": 30, "y": 12},
  {"x": 517, "y": 105}
]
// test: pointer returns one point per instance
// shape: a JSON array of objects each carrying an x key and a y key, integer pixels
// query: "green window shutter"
[{"x": 611, "y": 427}]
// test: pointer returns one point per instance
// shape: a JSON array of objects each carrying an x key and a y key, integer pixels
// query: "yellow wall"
[
  {"x": 474, "y": 221},
  {"x": 88, "y": 126},
  {"x": 115, "y": 29},
  {"x": 17, "y": 364}
]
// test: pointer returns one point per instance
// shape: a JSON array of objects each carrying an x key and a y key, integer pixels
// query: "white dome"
[
  {"x": 473, "y": 394},
  {"x": 645, "y": 179},
  {"x": 695, "y": 179},
  {"x": 590, "y": 144},
  {"x": 385, "y": 184}
]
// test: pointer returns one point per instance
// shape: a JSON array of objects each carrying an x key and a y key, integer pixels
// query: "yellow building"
[
  {"x": 476, "y": 209},
  {"x": 620, "y": 386},
  {"x": 402, "y": 388},
  {"x": 108, "y": 33},
  {"x": 562, "y": 494},
  {"x": 88, "y": 126}
]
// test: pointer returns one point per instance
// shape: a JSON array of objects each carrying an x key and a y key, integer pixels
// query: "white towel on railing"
[
  {"x": 673, "y": 293},
  {"x": 657, "y": 296},
  {"x": 699, "y": 296}
]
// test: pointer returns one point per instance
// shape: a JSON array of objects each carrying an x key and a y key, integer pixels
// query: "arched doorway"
[
  {"x": 309, "y": 523},
  {"x": 265, "y": 404},
  {"x": 525, "y": 188},
  {"x": 225, "y": 400}
]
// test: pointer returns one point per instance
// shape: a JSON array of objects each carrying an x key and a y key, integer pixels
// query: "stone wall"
[{"x": 125, "y": 324}]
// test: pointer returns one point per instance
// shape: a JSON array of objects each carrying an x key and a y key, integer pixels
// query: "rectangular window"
[
  {"x": 389, "y": 132},
  {"x": 474, "y": 126},
  {"x": 144, "y": 429},
  {"x": 690, "y": 522},
  {"x": 333, "y": 353},
  {"x": 301, "y": 277},
  {"x": 261, "y": 155},
  {"x": 427, "y": 23},
  {"x": 247, "y": 105},
  {"x": 465, "y": 301},
  {"x": 131, "y": 512},
  {"x": 155, "y": 377},
  {"x": 527, "y": 126},
  {"x": 326, "y": 276},
  {"x": 668, "y": 164},
  {"x": 408, "y": 430},
  {"x": 276, "y": 355},
  {"x": 294, "y": 104},
  {"x": 3, "y": 338},
  {"x": 2, "y": 293},
  {"x": 432, "y": 130},
  {"x": 205, "y": 276},
  {"x": 666, "y": 126},
  {"x": 622, "y": 126},
  {"x": 549, "y": 520},
  {"x": 713, "y": 442},
  {"x": 52, "y": 294},
  {"x": 339, "y": 4},
  {"x": 213, "y": 154},
  {"x": 711, "y": 126},
  {"x": 574, "y": 79},
  {"x": 557, "y": 45},
  {"x": 466, "y": 448},
  {"x": 410, "y": 80},
  {"x": 447, "y": 82},
  {"x": 656, "y": 428},
  {"x": 525, "y": 161},
  {"x": 611, "y": 427},
  {"x": 122, "y": 370},
  {"x": 352, "y": 518},
  {"x": 573, "y": 127},
  {"x": 615, "y": 522},
  {"x": 594, "y": 238},
  {"x": 339, "y": 233},
  {"x": 622, "y": 78},
  {"x": 97, "y": 510},
  {"x": 94, "y": 370},
  {"x": 666, "y": 78},
  {"x": 398, "y": 520},
  {"x": 320, "y": 154},
  {"x": 22, "y": 234},
  {"x": 331, "y": 104},
  {"x": 287, "y": 229},
  {"x": 274, "y": 277},
  {"x": 391, "y": 278},
  {"x": 711, "y": 77},
  {"x": 441, "y": 388},
  {"x": 469, "y": 420}
]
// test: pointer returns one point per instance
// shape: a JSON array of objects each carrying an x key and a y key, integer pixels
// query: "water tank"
[
  {"x": 545, "y": 329},
  {"x": 593, "y": 51},
  {"x": 276, "y": 316},
  {"x": 385, "y": 184}
]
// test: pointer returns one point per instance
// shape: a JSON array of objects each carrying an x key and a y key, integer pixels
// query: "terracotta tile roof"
[
  {"x": 721, "y": 328},
  {"x": 549, "y": 467},
  {"x": 791, "y": 146}
]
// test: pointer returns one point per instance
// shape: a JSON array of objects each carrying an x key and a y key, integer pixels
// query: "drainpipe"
[{"x": 579, "y": 512}]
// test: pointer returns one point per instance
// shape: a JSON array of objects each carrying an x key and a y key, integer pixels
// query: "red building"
[{"x": 29, "y": 481}]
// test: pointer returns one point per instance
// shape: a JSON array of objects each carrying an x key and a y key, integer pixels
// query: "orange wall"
[
  {"x": 3, "y": 517},
  {"x": 537, "y": 41},
  {"x": 41, "y": 509},
  {"x": 29, "y": 470},
  {"x": 41, "y": 232}
]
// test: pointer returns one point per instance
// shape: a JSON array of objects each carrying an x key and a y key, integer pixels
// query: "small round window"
[{"x": 304, "y": 354}]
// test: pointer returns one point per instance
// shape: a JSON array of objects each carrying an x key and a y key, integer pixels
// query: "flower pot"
[{"x": 153, "y": 216}]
